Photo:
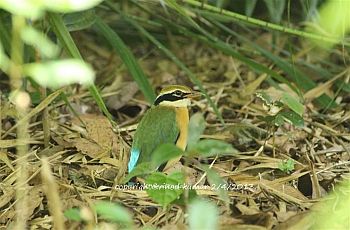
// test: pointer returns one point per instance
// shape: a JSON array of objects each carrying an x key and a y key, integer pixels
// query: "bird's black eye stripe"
[
  {"x": 174, "y": 96},
  {"x": 166, "y": 97}
]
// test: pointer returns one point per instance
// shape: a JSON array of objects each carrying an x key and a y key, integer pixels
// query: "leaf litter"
[{"x": 88, "y": 158}]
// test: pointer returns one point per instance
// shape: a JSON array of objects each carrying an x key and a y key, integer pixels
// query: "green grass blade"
[
  {"x": 232, "y": 16},
  {"x": 128, "y": 58},
  {"x": 5, "y": 37},
  {"x": 301, "y": 80},
  {"x": 216, "y": 43},
  {"x": 63, "y": 35},
  {"x": 224, "y": 47},
  {"x": 229, "y": 50}
]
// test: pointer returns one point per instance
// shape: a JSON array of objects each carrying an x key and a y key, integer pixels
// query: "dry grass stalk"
[{"x": 51, "y": 191}]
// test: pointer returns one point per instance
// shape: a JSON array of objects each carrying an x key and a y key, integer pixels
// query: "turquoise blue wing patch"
[{"x": 134, "y": 156}]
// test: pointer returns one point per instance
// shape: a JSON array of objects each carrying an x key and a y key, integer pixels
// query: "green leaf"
[
  {"x": 183, "y": 12},
  {"x": 4, "y": 60},
  {"x": 67, "y": 6},
  {"x": 208, "y": 148},
  {"x": 140, "y": 169},
  {"x": 55, "y": 74},
  {"x": 292, "y": 118},
  {"x": 183, "y": 200},
  {"x": 40, "y": 41},
  {"x": 79, "y": 20},
  {"x": 203, "y": 215},
  {"x": 249, "y": 7},
  {"x": 275, "y": 8},
  {"x": 278, "y": 119},
  {"x": 35, "y": 97},
  {"x": 35, "y": 9},
  {"x": 5, "y": 38},
  {"x": 164, "y": 188},
  {"x": 286, "y": 166},
  {"x": 165, "y": 152},
  {"x": 293, "y": 103},
  {"x": 333, "y": 211},
  {"x": 195, "y": 129},
  {"x": 217, "y": 182},
  {"x": 73, "y": 214},
  {"x": 113, "y": 212},
  {"x": 333, "y": 21},
  {"x": 264, "y": 97},
  {"x": 30, "y": 9}
]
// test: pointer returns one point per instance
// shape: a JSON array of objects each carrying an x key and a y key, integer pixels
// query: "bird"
[{"x": 165, "y": 122}]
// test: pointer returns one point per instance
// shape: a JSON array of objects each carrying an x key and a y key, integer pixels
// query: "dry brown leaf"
[
  {"x": 284, "y": 216},
  {"x": 41, "y": 223},
  {"x": 264, "y": 219},
  {"x": 300, "y": 221},
  {"x": 251, "y": 88},
  {"x": 100, "y": 139},
  {"x": 15, "y": 142},
  {"x": 8, "y": 194},
  {"x": 126, "y": 92},
  {"x": 6, "y": 215},
  {"x": 322, "y": 88},
  {"x": 35, "y": 198},
  {"x": 4, "y": 158},
  {"x": 111, "y": 161},
  {"x": 99, "y": 130},
  {"x": 271, "y": 165},
  {"x": 243, "y": 178},
  {"x": 286, "y": 193},
  {"x": 247, "y": 210},
  {"x": 73, "y": 158},
  {"x": 89, "y": 148}
]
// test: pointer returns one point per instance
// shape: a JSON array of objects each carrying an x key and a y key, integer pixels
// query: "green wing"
[{"x": 158, "y": 126}]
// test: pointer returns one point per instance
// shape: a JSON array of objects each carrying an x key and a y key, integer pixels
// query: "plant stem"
[
  {"x": 22, "y": 102},
  {"x": 46, "y": 120}
]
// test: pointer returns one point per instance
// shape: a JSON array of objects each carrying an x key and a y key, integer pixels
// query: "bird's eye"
[{"x": 178, "y": 93}]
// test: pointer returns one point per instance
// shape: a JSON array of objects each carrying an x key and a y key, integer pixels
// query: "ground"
[{"x": 276, "y": 176}]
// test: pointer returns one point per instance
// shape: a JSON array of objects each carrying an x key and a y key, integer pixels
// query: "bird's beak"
[{"x": 194, "y": 95}]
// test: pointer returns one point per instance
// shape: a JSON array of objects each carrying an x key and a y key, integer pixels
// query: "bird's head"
[{"x": 175, "y": 95}]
